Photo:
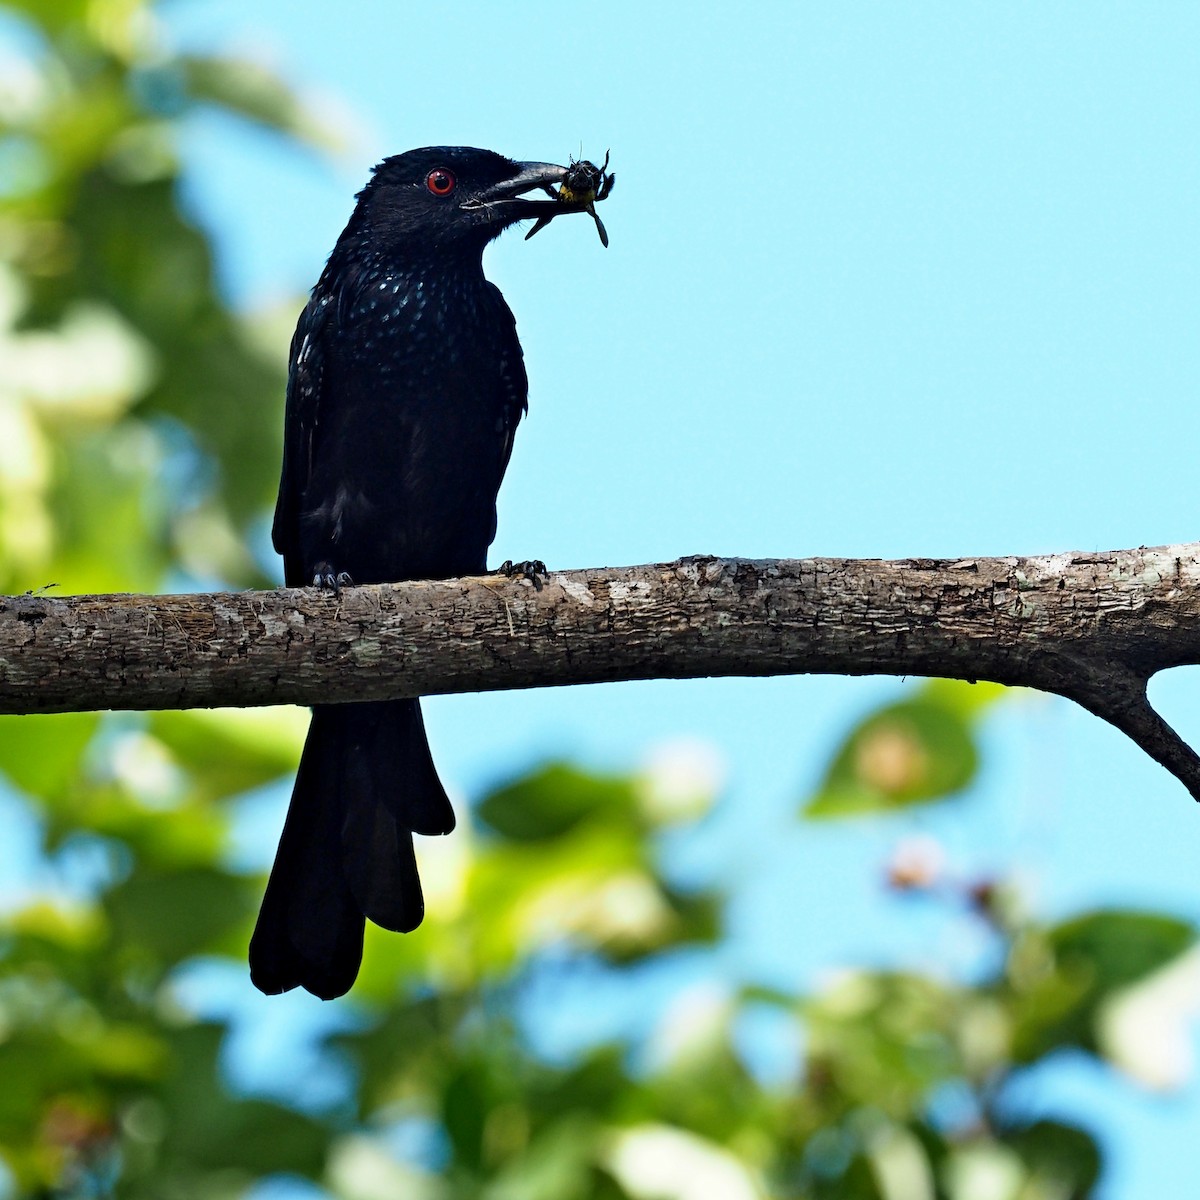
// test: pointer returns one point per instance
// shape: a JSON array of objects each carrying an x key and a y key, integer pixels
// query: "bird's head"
[{"x": 454, "y": 196}]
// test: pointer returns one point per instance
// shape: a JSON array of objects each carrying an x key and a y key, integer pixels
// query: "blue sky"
[{"x": 884, "y": 280}]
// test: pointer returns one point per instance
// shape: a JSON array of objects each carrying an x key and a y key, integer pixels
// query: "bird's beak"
[{"x": 506, "y": 201}]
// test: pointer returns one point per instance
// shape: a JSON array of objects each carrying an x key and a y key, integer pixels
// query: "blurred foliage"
[
  {"x": 917, "y": 750},
  {"x": 138, "y": 415},
  {"x": 115, "y": 1087},
  {"x": 138, "y": 432}
]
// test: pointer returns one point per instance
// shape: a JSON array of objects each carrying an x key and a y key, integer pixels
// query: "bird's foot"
[
  {"x": 532, "y": 569},
  {"x": 329, "y": 580}
]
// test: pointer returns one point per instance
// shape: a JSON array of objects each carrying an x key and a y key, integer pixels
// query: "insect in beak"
[{"x": 583, "y": 186}]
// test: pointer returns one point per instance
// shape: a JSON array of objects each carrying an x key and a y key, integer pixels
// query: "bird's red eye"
[{"x": 440, "y": 181}]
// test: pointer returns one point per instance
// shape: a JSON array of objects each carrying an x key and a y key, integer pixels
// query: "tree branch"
[{"x": 1092, "y": 627}]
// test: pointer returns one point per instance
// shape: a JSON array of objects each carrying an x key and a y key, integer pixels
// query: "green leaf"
[
  {"x": 110, "y": 510},
  {"x": 212, "y": 1129},
  {"x": 1060, "y": 977},
  {"x": 466, "y": 1100},
  {"x": 34, "y": 1064},
  {"x": 1062, "y": 1159},
  {"x": 887, "y": 1038},
  {"x": 54, "y": 18},
  {"x": 556, "y": 1165},
  {"x": 42, "y": 755},
  {"x": 251, "y": 90},
  {"x": 181, "y": 913},
  {"x": 77, "y": 929},
  {"x": 907, "y": 753},
  {"x": 1115, "y": 948},
  {"x": 552, "y": 801},
  {"x": 594, "y": 888},
  {"x": 969, "y": 700},
  {"x": 138, "y": 255},
  {"x": 600, "y": 1082},
  {"x": 231, "y": 750}
]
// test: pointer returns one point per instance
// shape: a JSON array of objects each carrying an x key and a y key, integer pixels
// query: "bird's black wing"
[
  {"x": 306, "y": 383},
  {"x": 514, "y": 380}
]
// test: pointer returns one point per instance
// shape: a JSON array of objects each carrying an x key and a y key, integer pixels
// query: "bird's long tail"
[{"x": 366, "y": 784}]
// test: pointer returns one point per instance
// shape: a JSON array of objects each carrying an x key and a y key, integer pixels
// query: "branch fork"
[{"x": 1091, "y": 627}]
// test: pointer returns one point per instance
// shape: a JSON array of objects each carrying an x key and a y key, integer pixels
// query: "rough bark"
[{"x": 1092, "y": 627}]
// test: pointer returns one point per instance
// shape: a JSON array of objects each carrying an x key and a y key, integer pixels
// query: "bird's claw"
[
  {"x": 329, "y": 580},
  {"x": 532, "y": 569}
]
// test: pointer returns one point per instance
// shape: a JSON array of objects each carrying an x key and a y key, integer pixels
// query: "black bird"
[{"x": 405, "y": 386}]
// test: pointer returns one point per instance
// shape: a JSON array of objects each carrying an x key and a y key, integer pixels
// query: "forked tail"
[{"x": 366, "y": 784}]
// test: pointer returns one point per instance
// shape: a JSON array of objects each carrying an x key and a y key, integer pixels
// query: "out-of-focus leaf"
[
  {"x": 180, "y": 913},
  {"x": 699, "y": 916},
  {"x": 1060, "y": 1158},
  {"x": 556, "y": 1165},
  {"x": 886, "y": 1039},
  {"x": 33, "y": 1064},
  {"x": 180, "y": 836},
  {"x": 232, "y": 750},
  {"x": 908, "y": 753},
  {"x": 1118, "y": 947},
  {"x": 109, "y": 512},
  {"x": 595, "y": 890},
  {"x": 698, "y": 1088},
  {"x": 1061, "y": 977},
  {"x": 603, "y": 1186},
  {"x": 600, "y": 1082},
  {"x": 985, "y": 1168},
  {"x": 406, "y": 1051},
  {"x": 900, "y": 1164},
  {"x": 81, "y": 133},
  {"x": 680, "y": 782},
  {"x": 54, "y": 18},
  {"x": 553, "y": 800},
  {"x": 216, "y": 1130},
  {"x": 857, "y": 1183},
  {"x": 467, "y": 1097},
  {"x": 75, "y": 1051},
  {"x": 76, "y": 929},
  {"x": 1147, "y": 1029},
  {"x": 363, "y": 1168},
  {"x": 969, "y": 700},
  {"x": 912, "y": 752},
  {"x": 251, "y": 90},
  {"x": 121, "y": 1051},
  {"x": 138, "y": 255},
  {"x": 42, "y": 755},
  {"x": 660, "y": 1160}
]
